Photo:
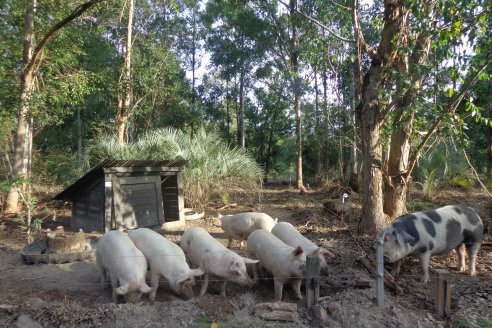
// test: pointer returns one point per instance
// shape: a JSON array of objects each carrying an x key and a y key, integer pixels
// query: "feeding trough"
[{"x": 58, "y": 247}]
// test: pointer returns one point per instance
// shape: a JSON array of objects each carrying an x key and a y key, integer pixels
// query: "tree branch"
[
  {"x": 317, "y": 22},
  {"x": 449, "y": 110},
  {"x": 34, "y": 62},
  {"x": 360, "y": 36}
]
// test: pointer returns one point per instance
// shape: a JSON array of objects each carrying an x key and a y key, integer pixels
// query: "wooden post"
[
  {"x": 312, "y": 280},
  {"x": 380, "y": 269},
  {"x": 443, "y": 293}
]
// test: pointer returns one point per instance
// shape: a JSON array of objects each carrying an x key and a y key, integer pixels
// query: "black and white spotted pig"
[{"x": 434, "y": 232}]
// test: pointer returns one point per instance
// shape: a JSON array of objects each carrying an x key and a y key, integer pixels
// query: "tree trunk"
[
  {"x": 124, "y": 84},
  {"x": 20, "y": 148},
  {"x": 370, "y": 111},
  {"x": 31, "y": 62},
  {"x": 241, "y": 140},
  {"x": 294, "y": 61},
  {"x": 489, "y": 170},
  {"x": 372, "y": 178},
  {"x": 396, "y": 180}
]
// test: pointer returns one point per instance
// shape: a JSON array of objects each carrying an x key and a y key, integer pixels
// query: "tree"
[
  {"x": 125, "y": 81},
  {"x": 391, "y": 86},
  {"x": 32, "y": 59}
]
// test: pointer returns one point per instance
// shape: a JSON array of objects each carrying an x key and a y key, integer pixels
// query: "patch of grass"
[
  {"x": 485, "y": 323},
  {"x": 460, "y": 322},
  {"x": 415, "y": 206}
]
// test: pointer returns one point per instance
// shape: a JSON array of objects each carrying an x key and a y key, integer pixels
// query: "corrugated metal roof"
[{"x": 97, "y": 172}]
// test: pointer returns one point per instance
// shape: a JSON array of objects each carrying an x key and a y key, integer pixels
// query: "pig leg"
[
  {"x": 472, "y": 257},
  {"x": 154, "y": 283},
  {"x": 296, "y": 286},
  {"x": 279, "y": 286},
  {"x": 424, "y": 265},
  {"x": 255, "y": 272},
  {"x": 114, "y": 284},
  {"x": 396, "y": 268},
  {"x": 204, "y": 284},
  {"x": 222, "y": 288},
  {"x": 241, "y": 243},
  {"x": 460, "y": 250},
  {"x": 103, "y": 279},
  {"x": 229, "y": 241}
]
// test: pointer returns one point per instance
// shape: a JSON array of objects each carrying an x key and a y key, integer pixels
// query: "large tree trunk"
[
  {"x": 31, "y": 62},
  {"x": 396, "y": 180},
  {"x": 294, "y": 61},
  {"x": 125, "y": 83},
  {"x": 371, "y": 107},
  {"x": 21, "y": 148}
]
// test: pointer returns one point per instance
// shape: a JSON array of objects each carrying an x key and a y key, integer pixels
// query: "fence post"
[
  {"x": 443, "y": 293},
  {"x": 312, "y": 280},
  {"x": 380, "y": 269}
]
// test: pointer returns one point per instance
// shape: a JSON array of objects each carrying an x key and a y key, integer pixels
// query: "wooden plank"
[
  {"x": 141, "y": 170},
  {"x": 443, "y": 293},
  {"x": 312, "y": 280}
]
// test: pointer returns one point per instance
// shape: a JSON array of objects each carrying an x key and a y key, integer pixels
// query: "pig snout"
[{"x": 244, "y": 280}]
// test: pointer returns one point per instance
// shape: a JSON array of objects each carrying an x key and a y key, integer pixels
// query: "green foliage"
[
  {"x": 430, "y": 183},
  {"x": 460, "y": 322},
  {"x": 212, "y": 166},
  {"x": 415, "y": 206},
  {"x": 485, "y": 323}
]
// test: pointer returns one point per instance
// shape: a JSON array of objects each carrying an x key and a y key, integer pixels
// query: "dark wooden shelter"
[{"x": 127, "y": 194}]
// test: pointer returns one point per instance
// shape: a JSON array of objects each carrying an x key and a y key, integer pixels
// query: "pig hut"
[{"x": 127, "y": 194}]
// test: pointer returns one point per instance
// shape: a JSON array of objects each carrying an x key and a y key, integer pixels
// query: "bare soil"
[{"x": 70, "y": 294}]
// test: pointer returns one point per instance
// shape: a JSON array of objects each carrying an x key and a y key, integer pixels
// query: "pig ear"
[
  {"x": 234, "y": 267},
  {"x": 183, "y": 280},
  {"x": 327, "y": 254},
  {"x": 219, "y": 215},
  {"x": 249, "y": 261},
  {"x": 298, "y": 251},
  {"x": 403, "y": 237},
  {"x": 145, "y": 288},
  {"x": 196, "y": 272}
]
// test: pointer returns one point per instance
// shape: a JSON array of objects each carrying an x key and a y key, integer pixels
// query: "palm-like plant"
[{"x": 212, "y": 167}]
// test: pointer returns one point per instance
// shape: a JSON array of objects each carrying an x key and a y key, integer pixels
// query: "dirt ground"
[{"x": 70, "y": 294}]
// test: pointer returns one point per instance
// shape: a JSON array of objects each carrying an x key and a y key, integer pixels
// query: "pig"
[
  {"x": 165, "y": 259},
  {"x": 240, "y": 225},
  {"x": 286, "y": 263},
  {"x": 118, "y": 257},
  {"x": 215, "y": 259},
  {"x": 287, "y": 233},
  {"x": 434, "y": 232}
]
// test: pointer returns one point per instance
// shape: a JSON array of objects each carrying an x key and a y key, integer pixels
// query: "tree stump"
[{"x": 66, "y": 242}]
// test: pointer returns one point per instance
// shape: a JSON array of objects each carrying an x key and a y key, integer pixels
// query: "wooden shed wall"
[
  {"x": 172, "y": 197},
  {"x": 88, "y": 210}
]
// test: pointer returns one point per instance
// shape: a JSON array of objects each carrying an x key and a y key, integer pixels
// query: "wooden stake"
[
  {"x": 312, "y": 280},
  {"x": 443, "y": 293}
]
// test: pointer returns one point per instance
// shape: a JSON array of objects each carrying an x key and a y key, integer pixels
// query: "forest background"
[{"x": 379, "y": 96}]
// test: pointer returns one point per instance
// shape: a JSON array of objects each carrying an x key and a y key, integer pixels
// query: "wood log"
[
  {"x": 67, "y": 242},
  {"x": 278, "y": 311}
]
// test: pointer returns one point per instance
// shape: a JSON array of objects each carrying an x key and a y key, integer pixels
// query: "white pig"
[
  {"x": 240, "y": 225},
  {"x": 204, "y": 251},
  {"x": 165, "y": 259},
  {"x": 287, "y": 233},
  {"x": 287, "y": 264},
  {"x": 118, "y": 257}
]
